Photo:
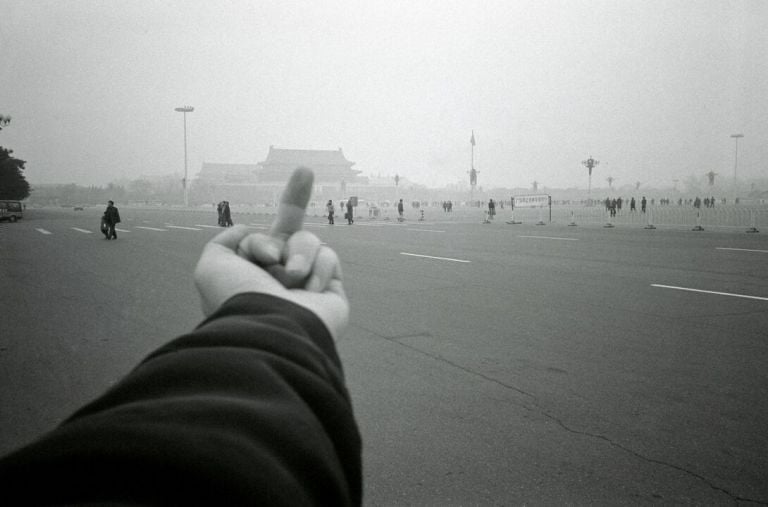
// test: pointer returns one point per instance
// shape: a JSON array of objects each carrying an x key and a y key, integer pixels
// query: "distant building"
[
  {"x": 262, "y": 183},
  {"x": 228, "y": 173},
  {"x": 331, "y": 167}
]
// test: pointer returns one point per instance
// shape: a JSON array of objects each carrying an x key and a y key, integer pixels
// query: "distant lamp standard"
[
  {"x": 736, "y": 138},
  {"x": 590, "y": 163},
  {"x": 185, "y": 110},
  {"x": 472, "y": 171}
]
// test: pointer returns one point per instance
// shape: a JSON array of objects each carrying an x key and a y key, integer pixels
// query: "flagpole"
[{"x": 472, "y": 168}]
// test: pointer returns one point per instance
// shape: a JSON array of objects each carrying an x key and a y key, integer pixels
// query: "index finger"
[{"x": 293, "y": 204}]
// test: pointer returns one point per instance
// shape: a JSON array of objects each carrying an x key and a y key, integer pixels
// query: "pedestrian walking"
[
  {"x": 400, "y": 217},
  {"x": 110, "y": 219},
  {"x": 220, "y": 211},
  {"x": 491, "y": 208},
  {"x": 227, "y": 215},
  {"x": 329, "y": 207},
  {"x": 349, "y": 212},
  {"x": 632, "y": 205},
  {"x": 643, "y": 202}
]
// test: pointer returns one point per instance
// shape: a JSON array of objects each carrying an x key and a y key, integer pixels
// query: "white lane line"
[
  {"x": 121, "y": 230},
  {"x": 43, "y": 231},
  {"x": 550, "y": 237},
  {"x": 209, "y": 226},
  {"x": 433, "y": 257},
  {"x": 423, "y": 230},
  {"x": 759, "y": 298},
  {"x": 84, "y": 231},
  {"x": 316, "y": 225},
  {"x": 151, "y": 228},
  {"x": 740, "y": 249},
  {"x": 182, "y": 227}
]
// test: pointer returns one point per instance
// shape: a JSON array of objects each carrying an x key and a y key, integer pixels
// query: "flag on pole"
[{"x": 472, "y": 139}]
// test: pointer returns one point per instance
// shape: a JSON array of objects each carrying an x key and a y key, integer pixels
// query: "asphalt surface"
[{"x": 489, "y": 364}]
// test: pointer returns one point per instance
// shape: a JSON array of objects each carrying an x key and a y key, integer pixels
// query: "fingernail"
[{"x": 297, "y": 264}]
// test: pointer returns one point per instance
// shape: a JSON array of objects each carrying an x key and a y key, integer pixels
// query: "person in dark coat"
[
  {"x": 227, "y": 215},
  {"x": 350, "y": 211},
  {"x": 400, "y": 210},
  {"x": 330, "y": 209},
  {"x": 643, "y": 202},
  {"x": 220, "y": 211},
  {"x": 491, "y": 208},
  {"x": 250, "y": 408},
  {"x": 110, "y": 219}
]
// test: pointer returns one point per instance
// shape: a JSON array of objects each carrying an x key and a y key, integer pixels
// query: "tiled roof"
[{"x": 309, "y": 158}]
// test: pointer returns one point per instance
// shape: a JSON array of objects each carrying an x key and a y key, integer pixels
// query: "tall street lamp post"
[
  {"x": 590, "y": 163},
  {"x": 185, "y": 110},
  {"x": 736, "y": 138}
]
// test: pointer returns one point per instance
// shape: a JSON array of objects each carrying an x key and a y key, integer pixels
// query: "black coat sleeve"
[{"x": 250, "y": 408}]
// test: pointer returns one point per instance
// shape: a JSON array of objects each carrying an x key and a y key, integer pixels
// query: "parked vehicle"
[{"x": 11, "y": 210}]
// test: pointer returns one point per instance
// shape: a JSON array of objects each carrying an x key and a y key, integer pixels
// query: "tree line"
[{"x": 13, "y": 184}]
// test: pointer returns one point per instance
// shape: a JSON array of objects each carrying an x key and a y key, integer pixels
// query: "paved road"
[{"x": 489, "y": 363}]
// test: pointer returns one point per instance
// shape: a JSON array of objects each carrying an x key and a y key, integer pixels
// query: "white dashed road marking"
[
  {"x": 121, "y": 230},
  {"x": 434, "y": 257},
  {"x": 760, "y": 298},
  {"x": 84, "y": 231},
  {"x": 182, "y": 227},
  {"x": 550, "y": 237},
  {"x": 740, "y": 249},
  {"x": 151, "y": 228},
  {"x": 209, "y": 226},
  {"x": 423, "y": 230},
  {"x": 43, "y": 231}
]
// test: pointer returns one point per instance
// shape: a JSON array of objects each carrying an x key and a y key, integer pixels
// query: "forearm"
[{"x": 250, "y": 407}]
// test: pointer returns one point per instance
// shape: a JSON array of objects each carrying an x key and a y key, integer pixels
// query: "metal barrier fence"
[{"x": 749, "y": 218}]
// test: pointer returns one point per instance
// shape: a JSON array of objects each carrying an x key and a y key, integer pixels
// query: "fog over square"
[{"x": 653, "y": 89}]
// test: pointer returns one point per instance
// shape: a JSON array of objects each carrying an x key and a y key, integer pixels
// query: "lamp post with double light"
[
  {"x": 185, "y": 110},
  {"x": 590, "y": 163}
]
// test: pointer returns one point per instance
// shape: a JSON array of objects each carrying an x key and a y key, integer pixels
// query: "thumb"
[{"x": 293, "y": 204}]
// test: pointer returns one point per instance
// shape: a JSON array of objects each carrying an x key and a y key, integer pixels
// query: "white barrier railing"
[{"x": 752, "y": 218}]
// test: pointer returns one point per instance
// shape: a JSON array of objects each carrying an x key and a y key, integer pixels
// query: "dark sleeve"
[{"x": 250, "y": 408}]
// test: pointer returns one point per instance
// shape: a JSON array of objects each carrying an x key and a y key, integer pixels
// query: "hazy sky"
[{"x": 653, "y": 89}]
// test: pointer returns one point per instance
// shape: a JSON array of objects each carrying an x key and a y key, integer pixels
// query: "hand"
[{"x": 288, "y": 263}]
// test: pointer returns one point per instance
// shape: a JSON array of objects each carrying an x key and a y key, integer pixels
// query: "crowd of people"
[{"x": 614, "y": 205}]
